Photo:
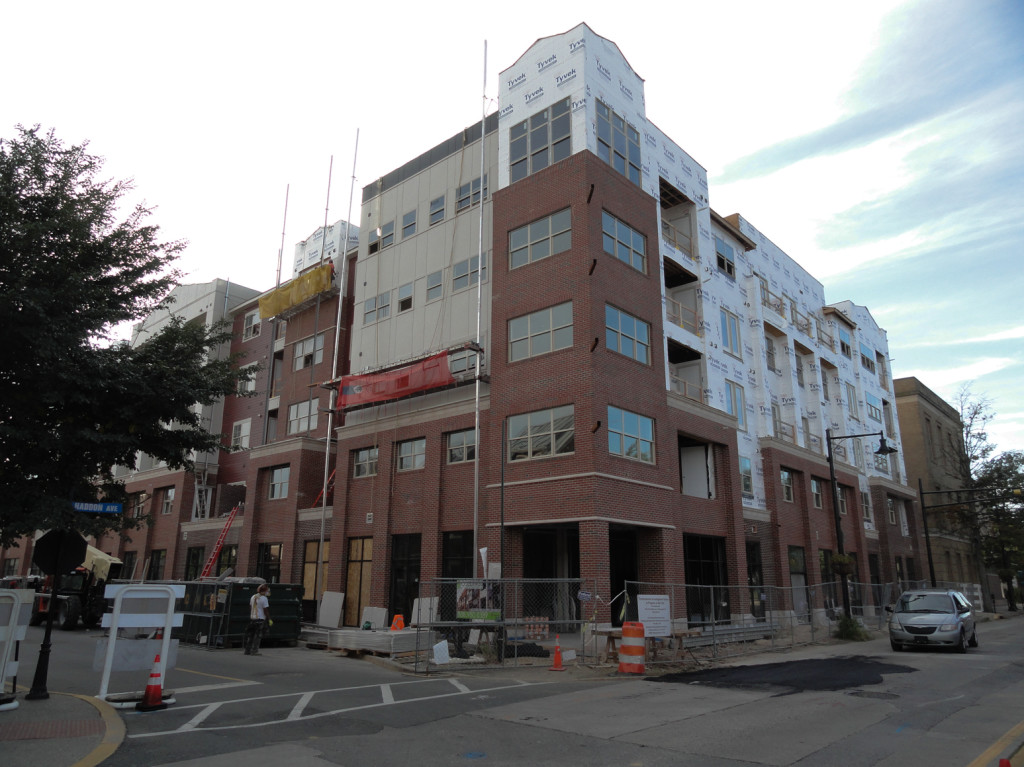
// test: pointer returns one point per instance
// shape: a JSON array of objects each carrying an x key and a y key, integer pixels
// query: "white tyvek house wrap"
[{"x": 308, "y": 251}]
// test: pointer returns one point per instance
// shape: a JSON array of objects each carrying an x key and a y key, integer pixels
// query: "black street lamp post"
[{"x": 883, "y": 449}]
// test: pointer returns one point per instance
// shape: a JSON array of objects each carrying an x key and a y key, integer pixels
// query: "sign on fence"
[{"x": 654, "y": 612}]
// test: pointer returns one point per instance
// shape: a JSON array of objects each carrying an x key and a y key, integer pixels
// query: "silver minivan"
[{"x": 932, "y": 618}]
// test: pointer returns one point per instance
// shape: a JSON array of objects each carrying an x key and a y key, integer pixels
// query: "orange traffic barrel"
[{"x": 632, "y": 648}]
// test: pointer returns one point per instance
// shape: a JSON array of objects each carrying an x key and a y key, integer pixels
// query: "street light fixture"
[{"x": 883, "y": 449}]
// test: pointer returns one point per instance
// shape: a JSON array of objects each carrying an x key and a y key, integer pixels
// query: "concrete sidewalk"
[{"x": 60, "y": 731}]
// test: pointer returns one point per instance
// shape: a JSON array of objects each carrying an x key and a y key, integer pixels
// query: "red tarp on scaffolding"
[{"x": 366, "y": 388}]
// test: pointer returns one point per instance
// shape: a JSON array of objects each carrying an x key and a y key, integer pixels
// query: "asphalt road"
[{"x": 849, "y": 704}]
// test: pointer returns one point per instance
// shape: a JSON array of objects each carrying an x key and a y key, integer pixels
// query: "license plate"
[{"x": 920, "y": 640}]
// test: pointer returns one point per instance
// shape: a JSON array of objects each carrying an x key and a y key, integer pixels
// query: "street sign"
[{"x": 98, "y": 507}]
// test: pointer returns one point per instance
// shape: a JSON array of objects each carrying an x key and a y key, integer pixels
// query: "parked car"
[{"x": 932, "y": 618}]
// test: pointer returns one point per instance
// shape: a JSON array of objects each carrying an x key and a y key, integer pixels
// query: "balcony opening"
[
  {"x": 682, "y": 300},
  {"x": 677, "y": 220},
  {"x": 686, "y": 371}
]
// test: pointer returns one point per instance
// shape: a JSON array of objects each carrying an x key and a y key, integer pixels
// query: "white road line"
[
  {"x": 386, "y": 695},
  {"x": 300, "y": 706},
  {"x": 205, "y": 687},
  {"x": 199, "y": 718},
  {"x": 459, "y": 685},
  {"x": 210, "y": 708}
]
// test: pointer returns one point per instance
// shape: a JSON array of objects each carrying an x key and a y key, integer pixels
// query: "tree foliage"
[
  {"x": 1002, "y": 513},
  {"x": 74, "y": 403}
]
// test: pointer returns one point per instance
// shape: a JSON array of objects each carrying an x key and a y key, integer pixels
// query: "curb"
[{"x": 113, "y": 737}]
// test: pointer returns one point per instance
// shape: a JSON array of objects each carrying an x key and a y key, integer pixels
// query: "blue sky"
[{"x": 879, "y": 144}]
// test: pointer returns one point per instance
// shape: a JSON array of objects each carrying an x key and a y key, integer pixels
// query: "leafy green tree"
[
  {"x": 1002, "y": 513},
  {"x": 74, "y": 402}
]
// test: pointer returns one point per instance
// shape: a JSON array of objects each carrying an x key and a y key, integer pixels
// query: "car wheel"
[
  {"x": 974, "y": 639},
  {"x": 896, "y": 646},
  {"x": 961, "y": 646}
]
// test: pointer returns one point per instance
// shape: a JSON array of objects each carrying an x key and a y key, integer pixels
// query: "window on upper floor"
[
  {"x": 405, "y": 297},
  {"x": 167, "y": 500},
  {"x": 240, "y": 434},
  {"x": 308, "y": 352},
  {"x": 542, "y": 434},
  {"x": 867, "y": 358},
  {"x": 437, "y": 210},
  {"x": 364, "y": 462},
  {"x": 539, "y": 141},
  {"x": 865, "y": 507},
  {"x": 624, "y": 242},
  {"x": 462, "y": 446},
  {"x": 625, "y": 334},
  {"x": 845, "y": 342},
  {"x": 302, "y": 416},
  {"x": 251, "y": 325},
  {"x": 816, "y": 492},
  {"x": 435, "y": 285},
  {"x": 467, "y": 272},
  {"x": 841, "y": 495},
  {"x": 412, "y": 454},
  {"x": 746, "y": 477},
  {"x": 278, "y": 487},
  {"x": 382, "y": 237},
  {"x": 248, "y": 385},
  {"x": 874, "y": 405},
  {"x": 462, "y": 361},
  {"x": 618, "y": 143},
  {"x": 769, "y": 351},
  {"x": 541, "y": 332},
  {"x": 409, "y": 224},
  {"x": 469, "y": 194},
  {"x": 540, "y": 239},
  {"x": 731, "y": 333},
  {"x": 630, "y": 435},
  {"x": 786, "y": 479},
  {"x": 851, "y": 401},
  {"x": 725, "y": 256},
  {"x": 735, "y": 403},
  {"x": 377, "y": 308}
]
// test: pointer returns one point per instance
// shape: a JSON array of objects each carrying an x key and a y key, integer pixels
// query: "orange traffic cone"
[
  {"x": 398, "y": 623},
  {"x": 153, "y": 697},
  {"x": 558, "y": 656}
]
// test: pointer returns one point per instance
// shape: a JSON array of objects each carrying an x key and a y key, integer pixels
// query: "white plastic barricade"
[
  {"x": 140, "y": 605},
  {"x": 15, "y": 610}
]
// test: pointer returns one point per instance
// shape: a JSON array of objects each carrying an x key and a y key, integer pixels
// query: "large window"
[
  {"x": 194, "y": 562},
  {"x": 240, "y": 433},
  {"x": 630, "y": 435},
  {"x": 302, "y": 416},
  {"x": 746, "y": 477},
  {"x": 786, "y": 479},
  {"x": 540, "y": 332},
  {"x": 845, "y": 342},
  {"x": 816, "y": 491},
  {"x": 618, "y": 143},
  {"x": 731, "y": 333},
  {"x": 364, "y": 462},
  {"x": 725, "y": 257},
  {"x": 268, "y": 562},
  {"x": 540, "y": 239},
  {"x": 542, "y": 434},
  {"x": 437, "y": 210},
  {"x": 462, "y": 446},
  {"x": 409, "y": 224},
  {"x": 382, "y": 237},
  {"x": 412, "y": 454},
  {"x": 157, "y": 561},
  {"x": 309, "y": 351},
  {"x": 735, "y": 403},
  {"x": 867, "y": 358},
  {"x": 251, "y": 325},
  {"x": 462, "y": 362},
  {"x": 167, "y": 500},
  {"x": 279, "y": 482},
  {"x": 377, "y": 308},
  {"x": 625, "y": 334},
  {"x": 405, "y": 297},
  {"x": 624, "y": 242},
  {"x": 874, "y": 405},
  {"x": 539, "y": 141},
  {"x": 466, "y": 273},
  {"x": 851, "y": 401},
  {"x": 469, "y": 194}
]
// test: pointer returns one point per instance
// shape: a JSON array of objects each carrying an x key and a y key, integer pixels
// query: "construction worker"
[{"x": 259, "y": 618}]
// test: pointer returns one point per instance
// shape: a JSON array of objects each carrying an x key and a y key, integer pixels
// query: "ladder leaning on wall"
[{"x": 220, "y": 543}]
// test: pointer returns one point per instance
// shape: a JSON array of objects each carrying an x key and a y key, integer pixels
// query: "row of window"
[
  {"x": 466, "y": 196},
  {"x": 465, "y": 273}
]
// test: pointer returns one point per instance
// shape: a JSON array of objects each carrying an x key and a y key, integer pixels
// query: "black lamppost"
[{"x": 883, "y": 449}]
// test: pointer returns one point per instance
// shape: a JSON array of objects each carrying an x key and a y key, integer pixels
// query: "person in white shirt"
[{"x": 259, "y": 616}]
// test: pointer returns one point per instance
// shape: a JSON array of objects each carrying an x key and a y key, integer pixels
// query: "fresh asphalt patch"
[{"x": 831, "y": 674}]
